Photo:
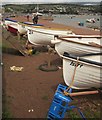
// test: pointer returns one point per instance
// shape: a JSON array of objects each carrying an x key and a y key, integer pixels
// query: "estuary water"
[{"x": 73, "y": 20}]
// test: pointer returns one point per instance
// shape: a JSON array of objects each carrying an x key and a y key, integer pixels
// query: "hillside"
[{"x": 54, "y": 8}]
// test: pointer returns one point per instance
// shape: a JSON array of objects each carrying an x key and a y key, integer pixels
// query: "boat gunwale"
[
  {"x": 81, "y": 36},
  {"x": 92, "y": 45},
  {"x": 44, "y": 32},
  {"x": 8, "y": 19},
  {"x": 13, "y": 26},
  {"x": 51, "y": 28},
  {"x": 40, "y": 32},
  {"x": 82, "y": 60},
  {"x": 31, "y": 26}
]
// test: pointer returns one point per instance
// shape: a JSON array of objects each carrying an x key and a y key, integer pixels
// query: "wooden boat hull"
[
  {"x": 13, "y": 26},
  {"x": 43, "y": 36},
  {"x": 77, "y": 45},
  {"x": 13, "y": 29},
  {"x": 22, "y": 29},
  {"x": 87, "y": 75},
  {"x": 10, "y": 22}
]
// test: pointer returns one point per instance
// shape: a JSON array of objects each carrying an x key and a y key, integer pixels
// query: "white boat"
[
  {"x": 17, "y": 28},
  {"x": 78, "y": 44},
  {"x": 91, "y": 20},
  {"x": 13, "y": 28},
  {"x": 21, "y": 27},
  {"x": 39, "y": 14},
  {"x": 87, "y": 74},
  {"x": 15, "y": 25},
  {"x": 43, "y": 35},
  {"x": 8, "y": 21}
]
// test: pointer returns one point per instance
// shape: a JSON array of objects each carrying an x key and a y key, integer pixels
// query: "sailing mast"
[{"x": 37, "y": 8}]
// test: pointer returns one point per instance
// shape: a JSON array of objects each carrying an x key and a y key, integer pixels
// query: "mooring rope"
[{"x": 65, "y": 92}]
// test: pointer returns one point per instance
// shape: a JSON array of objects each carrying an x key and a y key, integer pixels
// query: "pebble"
[
  {"x": 60, "y": 68},
  {"x": 1, "y": 63},
  {"x": 98, "y": 104},
  {"x": 31, "y": 110}
]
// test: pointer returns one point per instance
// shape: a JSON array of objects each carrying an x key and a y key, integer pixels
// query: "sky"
[{"x": 47, "y": 1}]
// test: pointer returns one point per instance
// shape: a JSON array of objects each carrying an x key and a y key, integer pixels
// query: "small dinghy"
[
  {"x": 41, "y": 35},
  {"x": 82, "y": 72},
  {"x": 78, "y": 44}
]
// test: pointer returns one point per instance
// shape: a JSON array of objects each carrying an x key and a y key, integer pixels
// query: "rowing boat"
[
  {"x": 43, "y": 35},
  {"x": 20, "y": 27},
  {"x": 82, "y": 72},
  {"x": 78, "y": 44},
  {"x": 9, "y": 21},
  {"x": 13, "y": 28}
]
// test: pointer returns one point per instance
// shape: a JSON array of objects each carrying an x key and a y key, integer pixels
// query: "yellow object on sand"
[
  {"x": 14, "y": 68},
  {"x": 29, "y": 52}
]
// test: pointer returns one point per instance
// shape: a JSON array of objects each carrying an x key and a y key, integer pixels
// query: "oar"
[
  {"x": 85, "y": 93},
  {"x": 95, "y": 44}
]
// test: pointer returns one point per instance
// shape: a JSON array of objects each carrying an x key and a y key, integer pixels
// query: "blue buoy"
[
  {"x": 80, "y": 23},
  {"x": 60, "y": 104}
]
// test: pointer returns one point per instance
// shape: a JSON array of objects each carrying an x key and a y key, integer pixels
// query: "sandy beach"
[
  {"x": 46, "y": 23},
  {"x": 33, "y": 89}
]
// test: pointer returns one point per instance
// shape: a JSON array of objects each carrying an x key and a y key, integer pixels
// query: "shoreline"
[{"x": 46, "y": 23}]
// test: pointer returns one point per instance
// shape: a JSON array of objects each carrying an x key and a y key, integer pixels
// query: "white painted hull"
[
  {"x": 77, "y": 45},
  {"x": 43, "y": 36},
  {"x": 22, "y": 28},
  {"x": 18, "y": 28},
  {"x": 13, "y": 29},
  {"x": 86, "y": 76},
  {"x": 7, "y": 22},
  {"x": 14, "y": 26}
]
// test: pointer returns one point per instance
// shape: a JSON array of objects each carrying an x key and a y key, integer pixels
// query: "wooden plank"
[
  {"x": 87, "y": 44},
  {"x": 17, "y": 45},
  {"x": 84, "y": 93},
  {"x": 82, "y": 36},
  {"x": 95, "y": 44}
]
